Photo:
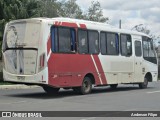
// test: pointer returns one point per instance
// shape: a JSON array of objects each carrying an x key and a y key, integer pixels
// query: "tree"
[
  {"x": 17, "y": 9},
  {"x": 95, "y": 13},
  {"x": 21, "y": 9},
  {"x": 49, "y": 8},
  {"x": 71, "y": 9}
]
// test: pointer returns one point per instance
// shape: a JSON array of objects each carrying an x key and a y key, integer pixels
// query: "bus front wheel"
[
  {"x": 144, "y": 84},
  {"x": 50, "y": 90}
]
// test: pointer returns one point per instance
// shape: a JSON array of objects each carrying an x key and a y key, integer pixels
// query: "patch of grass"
[{"x": 5, "y": 83}]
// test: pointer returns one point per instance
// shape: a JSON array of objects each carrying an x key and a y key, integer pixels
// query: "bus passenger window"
[
  {"x": 117, "y": 43},
  {"x": 93, "y": 42},
  {"x": 73, "y": 40},
  {"x": 138, "y": 50},
  {"x": 103, "y": 44},
  {"x": 54, "y": 39},
  {"x": 63, "y": 39},
  {"x": 82, "y": 41},
  {"x": 112, "y": 44},
  {"x": 126, "y": 45},
  {"x": 109, "y": 43}
]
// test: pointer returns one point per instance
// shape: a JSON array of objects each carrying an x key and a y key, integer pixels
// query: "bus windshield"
[{"x": 22, "y": 34}]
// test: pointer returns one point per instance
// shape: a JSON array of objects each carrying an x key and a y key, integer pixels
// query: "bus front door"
[{"x": 138, "y": 61}]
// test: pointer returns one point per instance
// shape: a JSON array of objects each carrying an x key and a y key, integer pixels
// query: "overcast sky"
[{"x": 131, "y": 12}]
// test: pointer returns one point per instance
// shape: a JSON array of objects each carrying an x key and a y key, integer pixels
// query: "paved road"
[{"x": 125, "y": 98}]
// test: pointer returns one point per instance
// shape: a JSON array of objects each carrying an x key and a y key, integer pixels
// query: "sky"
[{"x": 131, "y": 12}]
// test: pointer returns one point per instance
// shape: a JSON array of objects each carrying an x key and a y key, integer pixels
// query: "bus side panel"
[
  {"x": 68, "y": 70},
  {"x": 117, "y": 69}
]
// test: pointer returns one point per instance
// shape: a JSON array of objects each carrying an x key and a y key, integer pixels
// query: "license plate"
[{"x": 21, "y": 78}]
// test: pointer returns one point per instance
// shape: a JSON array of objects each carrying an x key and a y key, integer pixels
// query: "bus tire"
[
  {"x": 144, "y": 84},
  {"x": 50, "y": 90},
  {"x": 86, "y": 87},
  {"x": 113, "y": 86}
]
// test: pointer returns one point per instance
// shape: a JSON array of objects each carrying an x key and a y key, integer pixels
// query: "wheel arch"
[
  {"x": 149, "y": 77},
  {"x": 91, "y": 76}
]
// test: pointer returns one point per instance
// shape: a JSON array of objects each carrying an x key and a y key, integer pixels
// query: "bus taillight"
[{"x": 42, "y": 60}]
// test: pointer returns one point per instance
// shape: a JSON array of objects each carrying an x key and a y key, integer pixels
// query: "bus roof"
[{"x": 90, "y": 24}]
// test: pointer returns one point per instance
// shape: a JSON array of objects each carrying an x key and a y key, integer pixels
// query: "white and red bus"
[{"x": 69, "y": 53}]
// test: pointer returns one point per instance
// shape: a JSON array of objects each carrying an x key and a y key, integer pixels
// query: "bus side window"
[
  {"x": 82, "y": 41},
  {"x": 145, "y": 48},
  {"x": 126, "y": 45},
  {"x": 148, "y": 50},
  {"x": 73, "y": 40},
  {"x": 138, "y": 49},
  {"x": 151, "y": 49},
  {"x": 63, "y": 39},
  {"x": 103, "y": 44},
  {"x": 109, "y": 43},
  {"x": 93, "y": 37},
  {"x": 112, "y": 44},
  {"x": 54, "y": 39},
  {"x": 117, "y": 43}
]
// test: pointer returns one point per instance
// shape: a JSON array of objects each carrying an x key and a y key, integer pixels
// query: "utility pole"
[{"x": 120, "y": 24}]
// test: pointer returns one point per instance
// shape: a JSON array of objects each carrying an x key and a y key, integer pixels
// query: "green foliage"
[
  {"x": 21, "y": 9},
  {"x": 71, "y": 9},
  {"x": 17, "y": 9},
  {"x": 95, "y": 13},
  {"x": 49, "y": 8}
]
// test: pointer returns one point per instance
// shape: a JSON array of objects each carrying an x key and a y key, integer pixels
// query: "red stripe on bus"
[
  {"x": 75, "y": 66},
  {"x": 56, "y": 23},
  {"x": 100, "y": 69},
  {"x": 82, "y": 26},
  {"x": 67, "y": 24}
]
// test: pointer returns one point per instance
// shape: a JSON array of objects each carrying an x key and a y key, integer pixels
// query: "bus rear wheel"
[
  {"x": 86, "y": 87},
  {"x": 144, "y": 84},
  {"x": 50, "y": 90}
]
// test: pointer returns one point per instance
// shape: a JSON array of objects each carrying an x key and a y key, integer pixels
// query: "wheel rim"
[
  {"x": 86, "y": 86},
  {"x": 145, "y": 82}
]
